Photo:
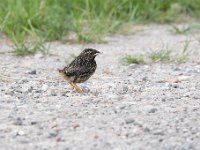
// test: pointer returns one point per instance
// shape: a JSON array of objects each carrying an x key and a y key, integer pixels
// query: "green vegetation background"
[{"x": 88, "y": 20}]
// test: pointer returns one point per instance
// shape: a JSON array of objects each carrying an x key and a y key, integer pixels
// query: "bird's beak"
[
  {"x": 98, "y": 53},
  {"x": 59, "y": 70}
]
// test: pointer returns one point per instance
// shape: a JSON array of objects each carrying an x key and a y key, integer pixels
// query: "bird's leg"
[
  {"x": 71, "y": 85},
  {"x": 76, "y": 87}
]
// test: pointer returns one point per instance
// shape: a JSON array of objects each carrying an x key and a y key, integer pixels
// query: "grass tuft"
[
  {"x": 135, "y": 59},
  {"x": 183, "y": 56},
  {"x": 178, "y": 30},
  {"x": 162, "y": 55},
  {"x": 22, "y": 49}
]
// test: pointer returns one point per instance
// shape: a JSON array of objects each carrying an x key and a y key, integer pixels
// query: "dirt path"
[{"x": 124, "y": 107}]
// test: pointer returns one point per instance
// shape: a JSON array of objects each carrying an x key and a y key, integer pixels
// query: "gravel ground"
[{"x": 151, "y": 106}]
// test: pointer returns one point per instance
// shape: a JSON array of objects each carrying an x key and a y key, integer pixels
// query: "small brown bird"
[{"x": 81, "y": 68}]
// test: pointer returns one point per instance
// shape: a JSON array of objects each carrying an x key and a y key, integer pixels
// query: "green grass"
[
  {"x": 178, "y": 30},
  {"x": 163, "y": 55},
  {"x": 133, "y": 59},
  {"x": 89, "y": 20},
  {"x": 23, "y": 49},
  {"x": 183, "y": 56}
]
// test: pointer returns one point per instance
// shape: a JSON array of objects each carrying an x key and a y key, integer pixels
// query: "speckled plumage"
[{"x": 81, "y": 68}]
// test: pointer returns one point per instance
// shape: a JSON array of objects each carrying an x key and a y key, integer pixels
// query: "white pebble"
[{"x": 183, "y": 78}]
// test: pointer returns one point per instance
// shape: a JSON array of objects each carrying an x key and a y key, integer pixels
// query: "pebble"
[
  {"x": 129, "y": 120},
  {"x": 39, "y": 56},
  {"x": 159, "y": 133},
  {"x": 144, "y": 78},
  {"x": 175, "y": 69},
  {"x": 36, "y": 95},
  {"x": 20, "y": 133},
  {"x": 125, "y": 89},
  {"x": 188, "y": 146},
  {"x": 132, "y": 66},
  {"x": 169, "y": 147},
  {"x": 173, "y": 80},
  {"x": 26, "y": 88},
  {"x": 174, "y": 85},
  {"x": 67, "y": 94},
  {"x": 187, "y": 94},
  {"x": 146, "y": 129},
  {"x": 32, "y": 72},
  {"x": 149, "y": 109},
  {"x": 33, "y": 122},
  {"x": 52, "y": 134},
  {"x": 45, "y": 87},
  {"x": 85, "y": 88},
  {"x": 153, "y": 110},
  {"x": 53, "y": 93},
  {"x": 192, "y": 71},
  {"x": 18, "y": 121},
  {"x": 183, "y": 78}
]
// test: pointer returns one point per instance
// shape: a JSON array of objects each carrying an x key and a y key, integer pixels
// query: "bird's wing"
[{"x": 81, "y": 71}]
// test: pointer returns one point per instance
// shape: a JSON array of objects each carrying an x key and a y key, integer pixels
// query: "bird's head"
[{"x": 90, "y": 53}]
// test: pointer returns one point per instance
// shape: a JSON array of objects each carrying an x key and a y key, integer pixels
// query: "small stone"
[
  {"x": 20, "y": 133},
  {"x": 187, "y": 94},
  {"x": 146, "y": 129},
  {"x": 39, "y": 55},
  {"x": 169, "y": 147},
  {"x": 33, "y": 122},
  {"x": 153, "y": 110},
  {"x": 144, "y": 78},
  {"x": 192, "y": 71},
  {"x": 106, "y": 71},
  {"x": 67, "y": 94},
  {"x": 146, "y": 67},
  {"x": 174, "y": 85},
  {"x": 149, "y": 109},
  {"x": 75, "y": 126},
  {"x": 53, "y": 93},
  {"x": 36, "y": 95},
  {"x": 59, "y": 139},
  {"x": 38, "y": 91},
  {"x": 96, "y": 137},
  {"x": 115, "y": 110},
  {"x": 159, "y": 133},
  {"x": 132, "y": 66},
  {"x": 176, "y": 69},
  {"x": 58, "y": 106},
  {"x": 53, "y": 134},
  {"x": 188, "y": 145},
  {"x": 125, "y": 89},
  {"x": 18, "y": 121},
  {"x": 32, "y": 72},
  {"x": 173, "y": 80},
  {"x": 123, "y": 107},
  {"x": 163, "y": 100},
  {"x": 85, "y": 88},
  {"x": 183, "y": 78},
  {"x": 26, "y": 88},
  {"x": 129, "y": 120},
  {"x": 44, "y": 87}
]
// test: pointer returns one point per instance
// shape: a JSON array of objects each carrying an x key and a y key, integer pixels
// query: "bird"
[{"x": 81, "y": 68}]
